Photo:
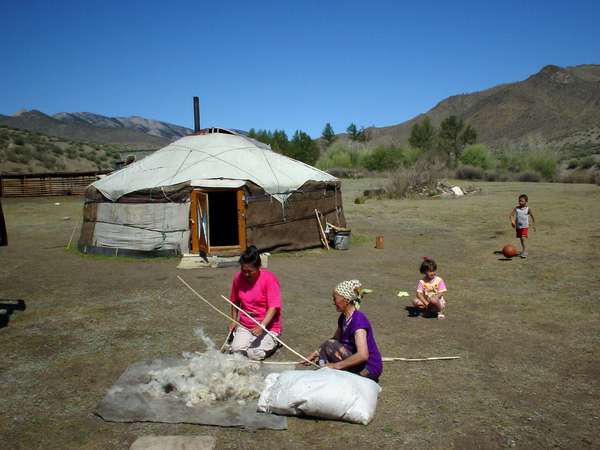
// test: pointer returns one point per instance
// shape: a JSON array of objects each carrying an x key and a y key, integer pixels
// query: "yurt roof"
[{"x": 213, "y": 156}]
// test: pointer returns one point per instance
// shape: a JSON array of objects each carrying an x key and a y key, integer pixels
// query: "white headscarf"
[{"x": 352, "y": 291}]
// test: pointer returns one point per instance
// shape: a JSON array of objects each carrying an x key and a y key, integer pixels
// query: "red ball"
[{"x": 509, "y": 251}]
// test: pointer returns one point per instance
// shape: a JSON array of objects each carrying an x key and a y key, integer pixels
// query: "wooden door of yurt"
[{"x": 218, "y": 221}]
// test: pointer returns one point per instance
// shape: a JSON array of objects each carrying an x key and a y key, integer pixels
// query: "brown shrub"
[{"x": 420, "y": 179}]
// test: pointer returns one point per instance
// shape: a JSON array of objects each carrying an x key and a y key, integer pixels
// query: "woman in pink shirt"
[{"x": 257, "y": 292}]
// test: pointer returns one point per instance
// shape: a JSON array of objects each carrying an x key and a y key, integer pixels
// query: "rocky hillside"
[
  {"x": 82, "y": 130},
  {"x": 556, "y": 106},
  {"x": 23, "y": 151},
  {"x": 152, "y": 127}
]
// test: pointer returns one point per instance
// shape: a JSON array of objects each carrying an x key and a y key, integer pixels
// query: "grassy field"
[{"x": 527, "y": 330}]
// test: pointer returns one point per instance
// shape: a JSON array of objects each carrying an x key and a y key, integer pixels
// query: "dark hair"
[
  {"x": 523, "y": 196},
  {"x": 251, "y": 256},
  {"x": 427, "y": 265}
]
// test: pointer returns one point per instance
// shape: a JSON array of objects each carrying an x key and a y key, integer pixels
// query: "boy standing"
[{"x": 519, "y": 219}]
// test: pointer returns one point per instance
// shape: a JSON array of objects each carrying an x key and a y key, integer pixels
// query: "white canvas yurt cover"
[{"x": 182, "y": 195}]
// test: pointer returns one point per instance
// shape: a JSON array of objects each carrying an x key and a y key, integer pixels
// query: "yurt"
[{"x": 212, "y": 193}]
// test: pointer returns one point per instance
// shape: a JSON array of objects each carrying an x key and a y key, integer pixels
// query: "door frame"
[{"x": 199, "y": 198}]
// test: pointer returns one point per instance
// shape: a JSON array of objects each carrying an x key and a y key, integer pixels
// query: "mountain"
[
  {"x": 82, "y": 130},
  {"x": 152, "y": 127},
  {"x": 556, "y": 106},
  {"x": 23, "y": 151}
]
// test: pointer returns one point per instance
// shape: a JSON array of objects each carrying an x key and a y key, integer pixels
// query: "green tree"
[
  {"x": 422, "y": 135},
  {"x": 363, "y": 135},
  {"x": 303, "y": 148},
  {"x": 453, "y": 137},
  {"x": 280, "y": 142},
  {"x": 328, "y": 134},
  {"x": 353, "y": 132},
  {"x": 264, "y": 136},
  {"x": 469, "y": 136}
]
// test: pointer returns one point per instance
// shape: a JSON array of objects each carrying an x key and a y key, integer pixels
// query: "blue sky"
[{"x": 277, "y": 64}]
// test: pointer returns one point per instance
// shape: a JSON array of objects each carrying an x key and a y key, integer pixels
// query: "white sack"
[{"x": 325, "y": 393}]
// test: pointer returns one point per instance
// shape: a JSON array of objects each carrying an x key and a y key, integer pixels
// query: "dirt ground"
[{"x": 527, "y": 331}]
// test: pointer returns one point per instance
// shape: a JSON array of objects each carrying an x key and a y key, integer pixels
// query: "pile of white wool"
[{"x": 208, "y": 377}]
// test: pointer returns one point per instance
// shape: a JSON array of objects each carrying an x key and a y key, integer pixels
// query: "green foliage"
[
  {"x": 543, "y": 162},
  {"x": 277, "y": 139},
  {"x": 411, "y": 156},
  {"x": 511, "y": 160},
  {"x": 453, "y": 136},
  {"x": 341, "y": 156},
  {"x": 363, "y": 135},
  {"x": 352, "y": 131},
  {"x": 56, "y": 149},
  {"x": 580, "y": 176},
  {"x": 530, "y": 177},
  {"x": 328, "y": 134},
  {"x": 469, "y": 173},
  {"x": 383, "y": 158},
  {"x": 469, "y": 136},
  {"x": 279, "y": 142},
  {"x": 477, "y": 155},
  {"x": 422, "y": 135},
  {"x": 587, "y": 162},
  {"x": 303, "y": 148}
]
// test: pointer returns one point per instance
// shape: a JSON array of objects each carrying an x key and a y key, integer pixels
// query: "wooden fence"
[{"x": 46, "y": 184}]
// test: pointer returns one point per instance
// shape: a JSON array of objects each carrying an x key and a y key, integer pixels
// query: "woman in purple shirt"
[{"x": 353, "y": 345}]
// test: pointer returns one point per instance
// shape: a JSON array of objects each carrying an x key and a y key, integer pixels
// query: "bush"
[
  {"x": 56, "y": 149},
  {"x": 11, "y": 155},
  {"x": 532, "y": 177},
  {"x": 572, "y": 164},
  {"x": 422, "y": 177},
  {"x": 49, "y": 162},
  {"x": 477, "y": 155},
  {"x": 543, "y": 162},
  {"x": 411, "y": 156},
  {"x": 494, "y": 175},
  {"x": 383, "y": 158},
  {"x": 469, "y": 173},
  {"x": 511, "y": 160},
  {"x": 579, "y": 176},
  {"x": 587, "y": 162},
  {"x": 339, "y": 156}
]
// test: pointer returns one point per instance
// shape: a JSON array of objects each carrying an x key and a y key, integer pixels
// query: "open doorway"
[{"x": 217, "y": 221}]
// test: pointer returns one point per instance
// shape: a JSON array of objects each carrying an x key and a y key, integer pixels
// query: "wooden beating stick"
[
  {"x": 267, "y": 331},
  {"x": 226, "y": 340},
  {"x": 434, "y": 358},
  {"x": 209, "y": 303}
]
